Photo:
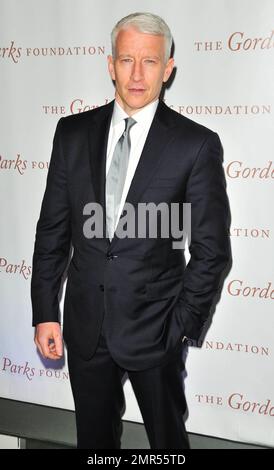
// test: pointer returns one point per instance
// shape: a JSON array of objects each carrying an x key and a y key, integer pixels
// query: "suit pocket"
[{"x": 164, "y": 288}]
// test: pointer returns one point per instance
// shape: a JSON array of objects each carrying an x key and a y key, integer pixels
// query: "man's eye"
[
  {"x": 150, "y": 61},
  {"x": 126, "y": 60}
]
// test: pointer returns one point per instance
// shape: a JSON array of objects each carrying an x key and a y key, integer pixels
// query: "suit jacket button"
[{"x": 101, "y": 287}]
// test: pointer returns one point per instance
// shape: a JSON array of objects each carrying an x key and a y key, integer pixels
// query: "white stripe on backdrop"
[{"x": 53, "y": 63}]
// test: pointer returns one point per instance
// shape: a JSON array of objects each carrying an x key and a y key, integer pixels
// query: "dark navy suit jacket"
[{"x": 149, "y": 297}]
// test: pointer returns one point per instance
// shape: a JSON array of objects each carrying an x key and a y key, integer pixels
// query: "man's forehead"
[
  {"x": 133, "y": 35},
  {"x": 142, "y": 43}
]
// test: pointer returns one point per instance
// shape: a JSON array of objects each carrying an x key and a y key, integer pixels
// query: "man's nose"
[{"x": 137, "y": 71}]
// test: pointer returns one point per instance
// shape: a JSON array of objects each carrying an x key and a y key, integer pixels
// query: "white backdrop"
[{"x": 53, "y": 63}]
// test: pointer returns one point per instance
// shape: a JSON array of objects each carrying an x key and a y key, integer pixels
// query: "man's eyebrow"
[
  {"x": 120, "y": 56},
  {"x": 152, "y": 57}
]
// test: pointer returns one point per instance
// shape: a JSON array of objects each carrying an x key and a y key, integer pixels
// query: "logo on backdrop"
[
  {"x": 29, "y": 372},
  {"x": 79, "y": 105},
  {"x": 254, "y": 232},
  {"x": 19, "y": 166},
  {"x": 15, "y": 269},
  {"x": 16, "y": 164},
  {"x": 238, "y": 288},
  {"x": 238, "y": 169},
  {"x": 238, "y": 41},
  {"x": 227, "y": 346},
  {"x": 222, "y": 109},
  {"x": 238, "y": 401},
  {"x": 11, "y": 52},
  {"x": 14, "y": 52}
]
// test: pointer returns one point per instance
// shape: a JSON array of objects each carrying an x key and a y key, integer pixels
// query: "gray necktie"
[{"x": 116, "y": 177}]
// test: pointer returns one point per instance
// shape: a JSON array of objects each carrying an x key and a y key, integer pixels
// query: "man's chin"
[{"x": 135, "y": 103}]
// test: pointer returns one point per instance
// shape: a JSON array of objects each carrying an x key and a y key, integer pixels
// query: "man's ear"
[
  {"x": 111, "y": 67},
  {"x": 168, "y": 69}
]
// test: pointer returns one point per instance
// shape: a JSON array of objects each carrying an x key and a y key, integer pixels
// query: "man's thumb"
[{"x": 58, "y": 345}]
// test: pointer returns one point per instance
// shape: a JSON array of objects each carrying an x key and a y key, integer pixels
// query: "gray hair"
[{"x": 144, "y": 23}]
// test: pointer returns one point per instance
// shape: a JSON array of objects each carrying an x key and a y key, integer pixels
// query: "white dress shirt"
[{"x": 138, "y": 135}]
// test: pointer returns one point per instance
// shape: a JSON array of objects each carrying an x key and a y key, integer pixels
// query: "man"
[{"x": 129, "y": 300}]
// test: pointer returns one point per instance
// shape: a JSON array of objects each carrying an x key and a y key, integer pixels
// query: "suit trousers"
[{"x": 100, "y": 403}]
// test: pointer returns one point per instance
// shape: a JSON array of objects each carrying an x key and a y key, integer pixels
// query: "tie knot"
[{"x": 129, "y": 123}]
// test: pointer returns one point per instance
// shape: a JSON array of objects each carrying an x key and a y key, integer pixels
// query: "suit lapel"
[{"x": 98, "y": 140}]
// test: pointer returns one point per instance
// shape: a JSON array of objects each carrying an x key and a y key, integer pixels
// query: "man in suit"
[{"x": 130, "y": 301}]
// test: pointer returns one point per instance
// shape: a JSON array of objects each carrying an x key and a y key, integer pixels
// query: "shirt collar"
[{"x": 143, "y": 117}]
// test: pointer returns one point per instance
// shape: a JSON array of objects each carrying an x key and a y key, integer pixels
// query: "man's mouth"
[{"x": 136, "y": 90}]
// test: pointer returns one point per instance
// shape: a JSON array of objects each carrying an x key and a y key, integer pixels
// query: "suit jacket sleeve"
[
  {"x": 209, "y": 247},
  {"x": 53, "y": 238}
]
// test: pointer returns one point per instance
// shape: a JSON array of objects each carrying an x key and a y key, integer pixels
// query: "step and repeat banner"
[{"x": 53, "y": 63}]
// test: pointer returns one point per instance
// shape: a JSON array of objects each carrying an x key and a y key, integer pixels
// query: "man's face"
[{"x": 139, "y": 68}]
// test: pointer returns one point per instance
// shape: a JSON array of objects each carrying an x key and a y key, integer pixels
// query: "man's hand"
[{"x": 48, "y": 339}]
